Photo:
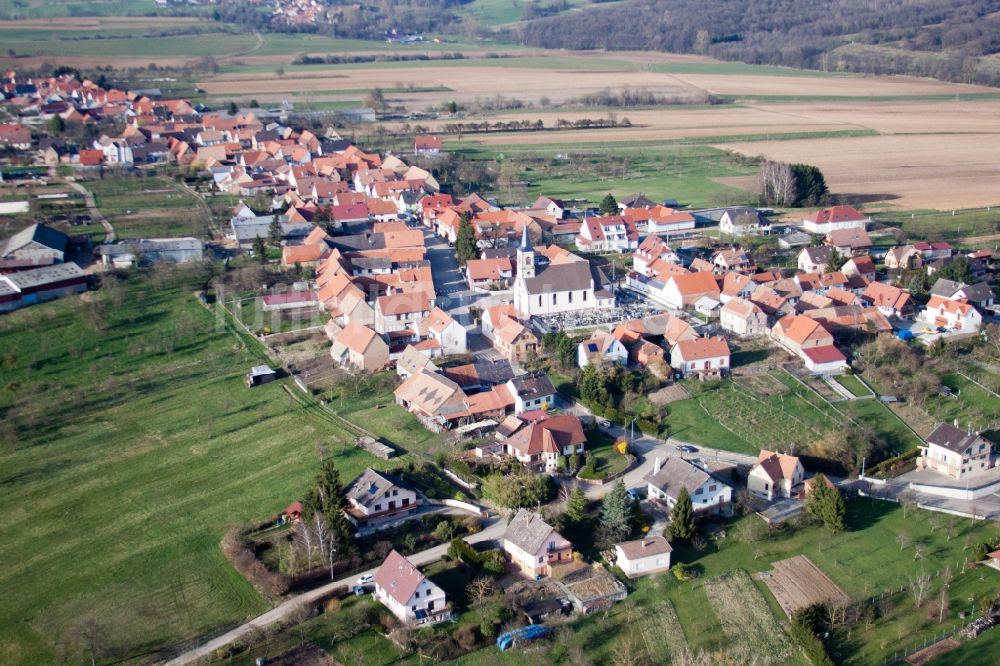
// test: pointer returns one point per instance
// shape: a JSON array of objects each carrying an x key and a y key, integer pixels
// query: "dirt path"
[
  {"x": 88, "y": 197},
  {"x": 281, "y": 612}
]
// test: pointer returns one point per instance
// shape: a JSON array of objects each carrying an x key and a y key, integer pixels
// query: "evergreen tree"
[
  {"x": 274, "y": 231},
  {"x": 833, "y": 263},
  {"x": 465, "y": 240},
  {"x": 576, "y": 508},
  {"x": 682, "y": 517},
  {"x": 233, "y": 109},
  {"x": 616, "y": 513},
  {"x": 957, "y": 270},
  {"x": 326, "y": 497},
  {"x": 827, "y": 504},
  {"x": 810, "y": 185},
  {"x": 609, "y": 205},
  {"x": 57, "y": 125},
  {"x": 260, "y": 250}
]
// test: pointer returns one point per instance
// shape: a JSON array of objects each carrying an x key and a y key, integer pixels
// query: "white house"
[
  {"x": 775, "y": 475},
  {"x": 955, "y": 452},
  {"x": 701, "y": 357},
  {"x": 815, "y": 259},
  {"x": 743, "y": 318},
  {"x": 651, "y": 249},
  {"x": 534, "y": 546},
  {"x": 441, "y": 327},
  {"x": 543, "y": 442},
  {"x": 607, "y": 234},
  {"x": 643, "y": 557},
  {"x": 953, "y": 315},
  {"x": 601, "y": 347},
  {"x": 837, "y": 217},
  {"x": 708, "y": 494},
  {"x": 743, "y": 222},
  {"x": 532, "y": 391},
  {"x": 408, "y": 594},
  {"x": 375, "y": 497}
]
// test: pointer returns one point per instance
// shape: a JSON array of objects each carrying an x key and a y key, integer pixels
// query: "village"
[{"x": 606, "y": 384}]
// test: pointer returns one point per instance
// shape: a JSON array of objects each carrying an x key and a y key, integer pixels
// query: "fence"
[{"x": 900, "y": 656}]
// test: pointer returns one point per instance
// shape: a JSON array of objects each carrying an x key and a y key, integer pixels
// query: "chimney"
[{"x": 656, "y": 466}]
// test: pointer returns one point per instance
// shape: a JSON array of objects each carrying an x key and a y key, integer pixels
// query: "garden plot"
[
  {"x": 746, "y": 620},
  {"x": 762, "y": 385},
  {"x": 661, "y": 632},
  {"x": 797, "y": 583},
  {"x": 669, "y": 394}
]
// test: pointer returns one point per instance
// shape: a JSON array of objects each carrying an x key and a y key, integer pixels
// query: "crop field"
[
  {"x": 149, "y": 207},
  {"x": 746, "y": 619},
  {"x": 129, "y": 443},
  {"x": 797, "y": 583}
]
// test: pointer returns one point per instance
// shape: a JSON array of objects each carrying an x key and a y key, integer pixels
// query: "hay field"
[
  {"x": 914, "y": 171},
  {"x": 850, "y": 86}
]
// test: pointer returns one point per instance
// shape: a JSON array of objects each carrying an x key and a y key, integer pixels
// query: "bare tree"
[
  {"x": 480, "y": 589},
  {"x": 904, "y": 540},
  {"x": 919, "y": 587},
  {"x": 90, "y": 638},
  {"x": 776, "y": 183},
  {"x": 919, "y": 553}
]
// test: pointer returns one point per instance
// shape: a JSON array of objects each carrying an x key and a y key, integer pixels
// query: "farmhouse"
[
  {"x": 891, "y": 301},
  {"x": 510, "y": 337},
  {"x": 543, "y": 442},
  {"x": 534, "y": 546},
  {"x": 743, "y": 318},
  {"x": 954, "y": 452},
  {"x": 838, "y": 217},
  {"x": 440, "y": 327},
  {"x": 733, "y": 260},
  {"x": 643, "y": 557},
  {"x": 702, "y": 358},
  {"x": 486, "y": 273},
  {"x": 398, "y": 312},
  {"x": 360, "y": 347},
  {"x": 408, "y": 594},
  {"x": 708, "y": 494},
  {"x": 775, "y": 475},
  {"x": 860, "y": 266},
  {"x": 681, "y": 291},
  {"x": 811, "y": 342},
  {"x": 374, "y": 498},
  {"x": 427, "y": 145}
]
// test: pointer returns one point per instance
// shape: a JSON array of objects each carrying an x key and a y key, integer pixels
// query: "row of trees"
[{"x": 796, "y": 185}]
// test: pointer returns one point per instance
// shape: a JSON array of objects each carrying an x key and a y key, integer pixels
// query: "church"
[{"x": 565, "y": 283}]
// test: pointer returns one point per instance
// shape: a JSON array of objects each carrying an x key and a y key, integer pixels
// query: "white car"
[{"x": 367, "y": 579}]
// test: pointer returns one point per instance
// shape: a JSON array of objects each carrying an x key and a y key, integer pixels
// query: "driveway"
[{"x": 492, "y": 532}]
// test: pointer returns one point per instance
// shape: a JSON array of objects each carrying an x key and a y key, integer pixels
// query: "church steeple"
[{"x": 525, "y": 256}]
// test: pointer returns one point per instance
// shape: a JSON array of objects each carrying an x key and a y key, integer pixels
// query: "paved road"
[
  {"x": 88, "y": 198},
  {"x": 493, "y": 531}
]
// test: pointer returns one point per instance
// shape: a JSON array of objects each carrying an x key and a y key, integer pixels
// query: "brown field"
[
  {"x": 936, "y": 171},
  {"x": 932, "y": 652},
  {"x": 852, "y": 86},
  {"x": 797, "y": 583},
  {"x": 96, "y": 22}
]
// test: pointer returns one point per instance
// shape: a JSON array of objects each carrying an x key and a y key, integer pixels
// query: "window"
[
  {"x": 416, "y": 595},
  {"x": 541, "y": 560},
  {"x": 399, "y": 317},
  {"x": 553, "y": 299},
  {"x": 570, "y": 297},
  {"x": 698, "y": 492},
  {"x": 539, "y": 301},
  {"x": 378, "y": 507},
  {"x": 584, "y": 295},
  {"x": 711, "y": 488},
  {"x": 394, "y": 492},
  {"x": 767, "y": 486}
]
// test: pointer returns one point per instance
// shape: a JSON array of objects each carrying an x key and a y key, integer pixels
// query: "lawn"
[
  {"x": 606, "y": 459},
  {"x": 854, "y": 385},
  {"x": 149, "y": 207},
  {"x": 943, "y": 225},
  {"x": 130, "y": 442}
]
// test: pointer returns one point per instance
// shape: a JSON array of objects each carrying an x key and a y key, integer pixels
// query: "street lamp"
[{"x": 632, "y": 436}]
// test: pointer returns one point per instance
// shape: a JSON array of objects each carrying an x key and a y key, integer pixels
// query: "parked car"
[
  {"x": 605, "y": 423},
  {"x": 686, "y": 448},
  {"x": 367, "y": 579}
]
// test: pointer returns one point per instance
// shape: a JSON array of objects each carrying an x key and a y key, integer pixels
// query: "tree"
[
  {"x": 90, "y": 637},
  {"x": 326, "y": 498},
  {"x": 919, "y": 587},
  {"x": 682, "y": 525},
  {"x": 233, "y": 109},
  {"x": 827, "y": 504},
  {"x": 260, "y": 249},
  {"x": 576, "y": 508},
  {"x": 957, "y": 270},
  {"x": 609, "y": 205},
  {"x": 57, "y": 125},
  {"x": 615, "y": 515},
  {"x": 465, "y": 240},
  {"x": 833, "y": 263},
  {"x": 274, "y": 233},
  {"x": 776, "y": 184},
  {"x": 810, "y": 185}
]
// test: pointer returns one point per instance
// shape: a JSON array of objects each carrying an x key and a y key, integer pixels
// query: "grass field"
[
  {"x": 148, "y": 207},
  {"x": 946, "y": 225},
  {"x": 129, "y": 443},
  {"x": 854, "y": 385}
]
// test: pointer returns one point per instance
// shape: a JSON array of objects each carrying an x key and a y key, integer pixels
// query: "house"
[
  {"x": 374, "y": 498},
  {"x": 665, "y": 480},
  {"x": 978, "y": 266},
  {"x": 743, "y": 318},
  {"x": 743, "y": 221},
  {"x": 810, "y": 341},
  {"x": 979, "y": 294},
  {"x": 643, "y": 557},
  {"x": 15, "y": 136},
  {"x": 849, "y": 242},
  {"x": 610, "y": 233},
  {"x": 412, "y": 361},
  {"x": 815, "y": 259},
  {"x": 891, "y": 301},
  {"x": 486, "y": 273},
  {"x": 35, "y": 246},
  {"x": 398, "y": 312},
  {"x": 515, "y": 341},
  {"x": 659, "y": 219},
  {"x": 289, "y": 300},
  {"x": 360, "y": 347},
  {"x": 733, "y": 260},
  {"x": 903, "y": 257},
  {"x": 293, "y": 512},
  {"x": 794, "y": 239},
  {"x": 701, "y": 357},
  {"x": 681, "y": 291},
  {"x": 952, "y": 315},
  {"x": 775, "y": 475},
  {"x": 652, "y": 249},
  {"x": 424, "y": 144},
  {"x": 601, "y": 347},
  {"x": 933, "y": 251},
  {"x": 260, "y": 374},
  {"x": 838, "y": 217},
  {"x": 555, "y": 208},
  {"x": 408, "y": 594},
  {"x": 441, "y": 327},
  {"x": 955, "y": 452},
  {"x": 534, "y": 546},
  {"x": 736, "y": 285},
  {"x": 532, "y": 391},
  {"x": 567, "y": 283},
  {"x": 544, "y": 441},
  {"x": 860, "y": 266}
]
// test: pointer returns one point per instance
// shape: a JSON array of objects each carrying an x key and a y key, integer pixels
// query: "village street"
[{"x": 493, "y": 530}]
